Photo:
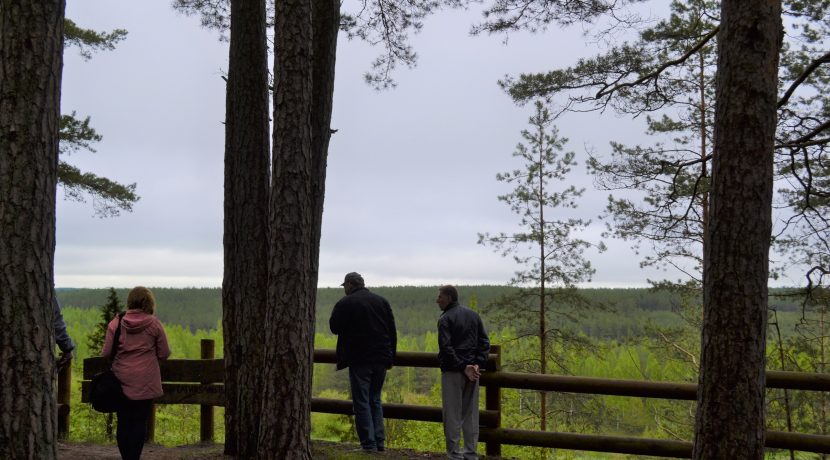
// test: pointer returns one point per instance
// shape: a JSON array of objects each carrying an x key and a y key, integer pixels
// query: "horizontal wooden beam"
[
  {"x": 592, "y": 385},
  {"x": 179, "y": 393},
  {"x": 396, "y": 411},
  {"x": 640, "y": 446},
  {"x": 212, "y": 371},
  {"x": 798, "y": 441},
  {"x": 172, "y": 370},
  {"x": 588, "y": 442},
  {"x": 402, "y": 358},
  {"x": 798, "y": 380}
]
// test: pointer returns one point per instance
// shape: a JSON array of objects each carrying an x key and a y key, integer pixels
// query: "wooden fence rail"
[{"x": 200, "y": 382}]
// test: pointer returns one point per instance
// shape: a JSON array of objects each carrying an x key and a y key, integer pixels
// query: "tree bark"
[
  {"x": 245, "y": 283},
  {"x": 730, "y": 411},
  {"x": 284, "y": 433},
  {"x": 326, "y": 24},
  {"x": 31, "y": 61}
]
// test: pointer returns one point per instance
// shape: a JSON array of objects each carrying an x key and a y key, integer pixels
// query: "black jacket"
[
  {"x": 365, "y": 329},
  {"x": 462, "y": 339}
]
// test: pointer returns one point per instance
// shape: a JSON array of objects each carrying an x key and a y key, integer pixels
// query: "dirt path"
[
  {"x": 322, "y": 450},
  {"x": 72, "y": 451}
]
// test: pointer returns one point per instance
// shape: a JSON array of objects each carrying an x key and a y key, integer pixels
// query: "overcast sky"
[{"x": 411, "y": 171}]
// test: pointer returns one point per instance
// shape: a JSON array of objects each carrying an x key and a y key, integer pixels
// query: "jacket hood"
[{"x": 136, "y": 321}]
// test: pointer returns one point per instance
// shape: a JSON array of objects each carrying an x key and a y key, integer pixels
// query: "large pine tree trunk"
[
  {"x": 31, "y": 53},
  {"x": 730, "y": 412},
  {"x": 326, "y": 23},
  {"x": 284, "y": 432},
  {"x": 245, "y": 282}
]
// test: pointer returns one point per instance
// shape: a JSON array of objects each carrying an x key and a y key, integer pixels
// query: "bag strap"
[{"x": 116, "y": 338}]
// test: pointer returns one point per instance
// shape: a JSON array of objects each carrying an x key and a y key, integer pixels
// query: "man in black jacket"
[
  {"x": 366, "y": 343},
  {"x": 463, "y": 347}
]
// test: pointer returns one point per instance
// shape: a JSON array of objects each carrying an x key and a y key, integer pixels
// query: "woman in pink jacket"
[{"x": 141, "y": 345}]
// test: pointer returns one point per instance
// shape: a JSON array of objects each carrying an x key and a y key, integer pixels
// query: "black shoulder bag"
[{"x": 106, "y": 393}]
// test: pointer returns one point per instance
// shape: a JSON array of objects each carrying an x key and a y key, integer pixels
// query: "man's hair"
[
  {"x": 449, "y": 291},
  {"x": 141, "y": 298}
]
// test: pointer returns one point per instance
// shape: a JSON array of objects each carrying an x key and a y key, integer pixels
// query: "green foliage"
[
  {"x": 189, "y": 307},
  {"x": 635, "y": 357},
  {"x": 386, "y": 25},
  {"x": 670, "y": 177},
  {"x": 544, "y": 248},
  {"x": 416, "y": 314},
  {"x": 109, "y": 197},
  {"x": 109, "y": 310},
  {"x": 88, "y": 41},
  {"x": 175, "y": 424},
  {"x": 550, "y": 255},
  {"x": 667, "y": 73},
  {"x": 76, "y": 134},
  {"x": 551, "y": 259}
]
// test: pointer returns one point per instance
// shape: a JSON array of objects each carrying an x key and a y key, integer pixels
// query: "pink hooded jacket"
[{"x": 141, "y": 345}]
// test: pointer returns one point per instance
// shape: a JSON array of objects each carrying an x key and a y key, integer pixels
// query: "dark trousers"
[
  {"x": 366, "y": 383},
  {"x": 132, "y": 428}
]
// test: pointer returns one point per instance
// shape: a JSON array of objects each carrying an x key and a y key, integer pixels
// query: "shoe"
[{"x": 381, "y": 448}]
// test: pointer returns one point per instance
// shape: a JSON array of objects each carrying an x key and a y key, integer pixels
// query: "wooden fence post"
[
  {"x": 492, "y": 401},
  {"x": 151, "y": 425},
  {"x": 64, "y": 399},
  {"x": 206, "y": 412}
]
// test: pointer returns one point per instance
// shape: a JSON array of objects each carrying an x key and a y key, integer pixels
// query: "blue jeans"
[{"x": 366, "y": 382}]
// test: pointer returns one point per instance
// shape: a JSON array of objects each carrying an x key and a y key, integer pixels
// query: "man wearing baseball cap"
[{"x": 366, "y": 343}]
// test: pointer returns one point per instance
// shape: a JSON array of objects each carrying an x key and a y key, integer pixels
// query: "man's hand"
[
  {"x": 64, "y": 359},
  {"x": 472, "y": 372}
]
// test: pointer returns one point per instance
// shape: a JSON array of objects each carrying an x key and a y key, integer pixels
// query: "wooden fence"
[{"x": 199, "y": 382}]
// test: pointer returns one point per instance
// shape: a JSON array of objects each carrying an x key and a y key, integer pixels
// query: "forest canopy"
[{"x": 415, "y": 309}]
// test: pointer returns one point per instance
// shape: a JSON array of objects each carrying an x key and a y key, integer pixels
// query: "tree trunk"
[
  {"x": 821, "y": 369},
  {"x": 326, "y": 23},
  {"x": 284, "y": 433},
  {"x": 730, "y": 411},
  {"x": 31, "y": 61},
  {"x": 245, "y": 283},
  {"x": 543, "y": 339}
]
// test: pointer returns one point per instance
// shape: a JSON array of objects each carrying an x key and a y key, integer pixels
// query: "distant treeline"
[{"x": 415, "y": 309}]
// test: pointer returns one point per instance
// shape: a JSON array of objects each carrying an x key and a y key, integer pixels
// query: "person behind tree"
[
  {"x": 142, "y": 344},
  {"x": 366, "y": 343},
  {"x": 463, "y": 347},
  {"x": 62, "y": 338}
]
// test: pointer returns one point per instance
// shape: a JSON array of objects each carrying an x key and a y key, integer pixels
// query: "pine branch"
[
  {"x": 656, "y": 73},
  {"x": 801, "y": 78}
]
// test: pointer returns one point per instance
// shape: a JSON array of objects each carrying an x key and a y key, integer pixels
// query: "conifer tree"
[
  {"x": 245, "y": 280},
  {"x": 31, "y": 64},
  {"x": 667, "y": 75},
  {"x": 550, "y": 255},
  {"x": 109, "y": 310},
  {"x": 730, "y": 413},
  {"x": 96, "y": 338},
  {"x": 305, "y": 42}
]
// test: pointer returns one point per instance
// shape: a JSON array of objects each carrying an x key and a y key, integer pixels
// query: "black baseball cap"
[{"x": 353, "y": 278}]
